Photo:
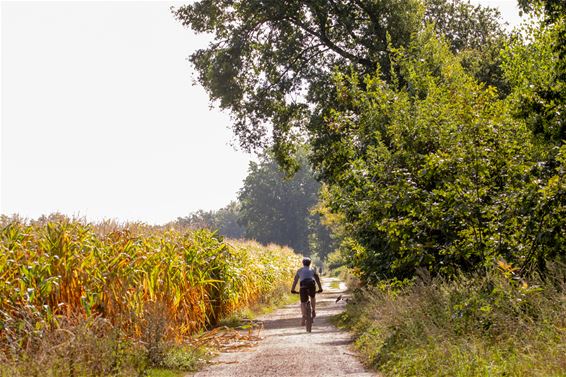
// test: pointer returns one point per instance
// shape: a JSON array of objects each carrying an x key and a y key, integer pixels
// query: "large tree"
[
  {"x": 277, "y": 208},
  {"x": 439, "y": 174},
  {"x": 433, "y": 170},
  {"x": 536, "y": 68},
  {"x": 271, "y": 62}
]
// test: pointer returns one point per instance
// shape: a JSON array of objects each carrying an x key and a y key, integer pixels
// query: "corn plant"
[{"x": 68, "y": 270}]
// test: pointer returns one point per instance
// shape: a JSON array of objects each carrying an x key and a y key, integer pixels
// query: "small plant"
[
  {"x": 155, "y": 325},
  {"x": 183, "y": 358}
]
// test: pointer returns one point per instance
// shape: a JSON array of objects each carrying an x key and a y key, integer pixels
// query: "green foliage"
[
  {"x": 553, "y": 9},
  {"x": 438, "y": 140},
  {"x": 183, "y": 358},
  {"x": 270, "y": 62},
  {"x": 476, "y": 34},
  {"x": 464, "y": 25},
  {"x": 158, "y": 372},
  {"x": 435, "y": 171},
  {"x": 495, "y": 324},
  {"x": 430, "y": 173},
  {"x": 276, "y": 208},
  {"x": 534, "y": 64}
]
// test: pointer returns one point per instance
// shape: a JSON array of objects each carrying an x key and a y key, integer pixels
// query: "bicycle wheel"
[{"x": 308, "y": 321}]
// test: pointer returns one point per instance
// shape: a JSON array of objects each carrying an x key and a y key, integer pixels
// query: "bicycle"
[{"x": 308, "y": 317}]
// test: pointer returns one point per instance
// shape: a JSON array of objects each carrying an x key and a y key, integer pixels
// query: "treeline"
[
  {"x": 437, "y": 136},
  {"x": 272, "y": 207}
]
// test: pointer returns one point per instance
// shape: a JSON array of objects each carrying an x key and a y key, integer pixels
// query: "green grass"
[
  {"x": 276, "y": 303},
  {"x": 494, "y": 325},
  {"x": 157, "y": 372}
]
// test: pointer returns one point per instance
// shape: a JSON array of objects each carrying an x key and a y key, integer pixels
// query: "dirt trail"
[{"x": 287, "y": 350}]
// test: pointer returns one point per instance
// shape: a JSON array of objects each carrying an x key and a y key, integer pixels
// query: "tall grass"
[
  {"x": 490, "y": 325},
  {"x": 147, "y": 283}
]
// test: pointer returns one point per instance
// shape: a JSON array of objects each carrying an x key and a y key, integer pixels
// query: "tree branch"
[{"x": 327, "y": 42}]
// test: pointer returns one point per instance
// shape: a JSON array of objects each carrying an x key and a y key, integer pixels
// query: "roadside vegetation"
[
  {"x": 494, "y": 324},
  {"x": 79, "y": 299}
]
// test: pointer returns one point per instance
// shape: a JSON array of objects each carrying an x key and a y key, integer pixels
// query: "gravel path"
[{"x": 287, "y": 350}]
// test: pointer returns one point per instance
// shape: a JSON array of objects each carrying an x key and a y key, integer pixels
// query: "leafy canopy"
[
  {"x": 271, "y": 62},
  {"x": 434, "y": 170}
]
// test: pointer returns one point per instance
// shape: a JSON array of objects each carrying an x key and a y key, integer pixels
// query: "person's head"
[{"x": 306, "y": 261}]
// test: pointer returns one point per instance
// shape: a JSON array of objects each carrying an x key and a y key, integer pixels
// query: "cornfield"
[{"x": 65, "y": 270}]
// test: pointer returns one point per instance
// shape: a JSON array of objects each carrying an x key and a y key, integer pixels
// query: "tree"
[
  {"x": 554, "y": 9},
  {"x": 535, "y": 66},
  {"x": 227, "y": 221},
  {"x": 271, "y": 62},
  {"x": 197, "y": 220},
  {"x": 431, "y": 170},
  {"x": 277, "y": 209}
]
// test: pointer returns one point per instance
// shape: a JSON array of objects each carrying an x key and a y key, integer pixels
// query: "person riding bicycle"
[{"x": 307, "y": 278}]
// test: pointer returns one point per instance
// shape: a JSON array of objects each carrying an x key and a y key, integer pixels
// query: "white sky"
[{"x": 99, "y": 117}]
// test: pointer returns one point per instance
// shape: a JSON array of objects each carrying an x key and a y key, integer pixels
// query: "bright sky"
[{"x": 99, "y": 117}]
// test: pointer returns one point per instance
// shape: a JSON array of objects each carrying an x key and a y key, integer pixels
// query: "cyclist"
[{"x": 307, "y": 278}]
